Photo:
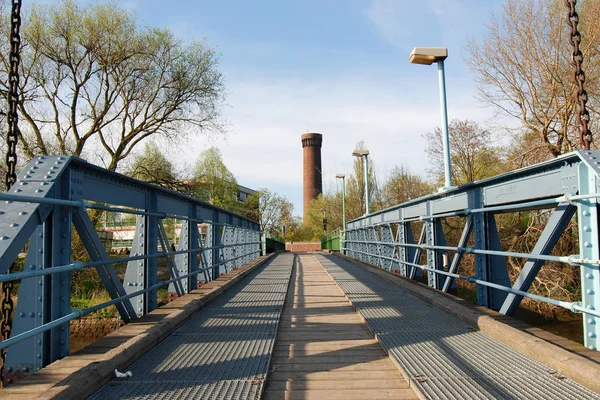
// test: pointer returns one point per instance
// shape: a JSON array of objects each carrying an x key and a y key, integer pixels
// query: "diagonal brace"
[
  {"x": 464, "y": 237},
  {"x": 559, "y": 220},
  {"x": 107, "y": 273}
]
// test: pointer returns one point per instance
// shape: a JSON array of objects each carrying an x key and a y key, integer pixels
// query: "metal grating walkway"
[
  {"x": 221, "y": 353},
  {"x": 445, "y": 357}
]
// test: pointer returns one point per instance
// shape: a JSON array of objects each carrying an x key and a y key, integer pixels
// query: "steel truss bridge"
[{"x": 246, "y": 325}]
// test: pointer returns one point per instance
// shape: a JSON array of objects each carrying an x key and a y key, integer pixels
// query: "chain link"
[
  {"x": 12, "y": 138},
  {"x": 585, "y": 135}
]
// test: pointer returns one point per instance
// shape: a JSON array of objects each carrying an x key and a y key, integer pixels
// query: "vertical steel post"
[
  {"x": 445, "y": 133},
  {"x": 61, "y": 282},
  {"x": 151, "y": 299},
  {"x": 367, "y": 205},
  {"x": 589, "y": 248}
]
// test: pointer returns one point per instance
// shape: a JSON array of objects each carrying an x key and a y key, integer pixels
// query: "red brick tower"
[{"x": 313, "y": 183}]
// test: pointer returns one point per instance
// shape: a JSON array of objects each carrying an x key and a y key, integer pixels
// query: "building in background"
[{"x": 313, "y": 180}]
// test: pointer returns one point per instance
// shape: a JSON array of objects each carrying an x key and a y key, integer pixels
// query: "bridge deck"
[
  {"x": 221, "y": 353},
  {"x": 323, "y": 350},
  {"x": 444, "y": 357}
]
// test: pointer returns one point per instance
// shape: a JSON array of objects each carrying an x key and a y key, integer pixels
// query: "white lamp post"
[{"x": 427, "y": 56}]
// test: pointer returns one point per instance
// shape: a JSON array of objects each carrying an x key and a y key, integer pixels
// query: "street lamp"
[
  {"x": 427, "y": 56},
  {"x": 365, "y": 155},
  {"x": 343, "y": 178},
  {"x": 324, "y": 222}
]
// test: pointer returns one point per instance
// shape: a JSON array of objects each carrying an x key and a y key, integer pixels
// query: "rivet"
[
  {"x": 589, "y": 275},
  {"x": 32, "y": 314},
  {"x": 589, "y": 291},
  {"x": 13, "y": 225},
  {"x": 587, "y": 229},
  {"x": 586, "y": 213},
  {"x": 4, "y": 238},
  {"x": 591, "y": 335},
  {"x": 21, "y": 213},
  {"x": 21, "y": 314},
  {"x": 32, "y": 267},
  {"x": 587, "y": 244}
]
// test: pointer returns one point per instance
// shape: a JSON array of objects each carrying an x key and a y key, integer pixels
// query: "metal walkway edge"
[
  {"x": 222, "y": 353},
  {"x": 443, "y": 357}
]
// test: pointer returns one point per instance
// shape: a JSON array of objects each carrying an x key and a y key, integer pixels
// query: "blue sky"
[{"x": 338, "y": 67}]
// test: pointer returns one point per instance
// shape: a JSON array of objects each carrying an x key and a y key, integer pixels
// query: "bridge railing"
[
  {"x": 567, "y": 186},
  {"x": 51, "y": 210},
  {"x": 272, "y": 243},
  {"x": 332, "y": 241}
]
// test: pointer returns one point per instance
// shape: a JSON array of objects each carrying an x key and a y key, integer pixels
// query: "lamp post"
[
  {"x": 343, "y": 233},
  {"x": 324, "y": 222},
  {"x": 343, "y": 178},
  {"x": 365, "y": 155},
  {"x": 427, "y": 56}
]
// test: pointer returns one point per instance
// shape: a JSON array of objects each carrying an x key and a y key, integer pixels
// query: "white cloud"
[{"x": 268, "y": 117}]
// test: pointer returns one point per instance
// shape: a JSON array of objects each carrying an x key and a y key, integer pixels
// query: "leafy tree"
[
  {"x": 472, "y": 156},
  {"x": 213, "y": 182},
  {"x": 402, "y": 185},
  {"x": 153, "y": 167},
  {"x": 523, "y": 69},
  {"x": 93, "y": 77},
  {"x": 270, "y": 210}
]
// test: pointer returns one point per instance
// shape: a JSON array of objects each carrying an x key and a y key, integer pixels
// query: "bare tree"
[
  {"x": 270, "y": 210},
  {"x": 402, "y": 185},
  {"x": 472, "y": 154},
  {"x": 523, "y": 69},
  {"x": 91, "y": 75}
]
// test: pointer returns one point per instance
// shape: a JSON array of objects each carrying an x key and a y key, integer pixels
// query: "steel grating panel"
[
  {"x": 179, "y": 390},
  {"x": 223, "y": 352},
  {"x": 445, "y": 357}
]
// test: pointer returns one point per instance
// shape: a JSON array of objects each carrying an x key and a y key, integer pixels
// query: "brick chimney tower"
[{"x": 313, "y": 183}]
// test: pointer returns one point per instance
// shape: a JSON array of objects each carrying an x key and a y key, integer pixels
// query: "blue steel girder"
[
  {"x": 558, "y": 222},
  {"x": 32, "y": 310},
  {"x": 490, "y": 268},
  {"x": 184, "y": 262},
  {"x": 406, "y": 253},
  {"x": 416, "y": 256},
  {"x": 108, "y": 275},
  {"x": 539, "y": 186},
  {"x": 387, "y": 251},
  {"x": 63, "y": 187},
  {"x": 135, "y": 274},
  {"x": 18, "y": 220},
  {"x": 450, "y": 282},
  {"x": 177, "y": 287},
  {"x": 589, "y": 245}
]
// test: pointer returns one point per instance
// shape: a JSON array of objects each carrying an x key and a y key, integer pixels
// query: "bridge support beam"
[{"x": 558, "y": 222}]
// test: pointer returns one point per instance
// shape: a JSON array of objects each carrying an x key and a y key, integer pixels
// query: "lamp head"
[
  {"x": 360, "y": 153},
  {"x": 340, "y": 176},
  {"x": 428, "y": 55}
]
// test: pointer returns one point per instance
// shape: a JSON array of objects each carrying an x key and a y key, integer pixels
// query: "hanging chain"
[
  {"x": 585, "y": 135},
  {"x": 12, "y": 138}
]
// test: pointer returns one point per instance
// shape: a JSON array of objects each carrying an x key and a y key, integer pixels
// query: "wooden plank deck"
[{"x": 324, "y": 350}]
